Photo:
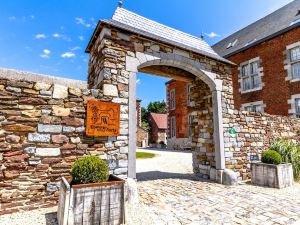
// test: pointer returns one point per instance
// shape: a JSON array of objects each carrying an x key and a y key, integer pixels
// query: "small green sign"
[{"x": 232, "y": 131}]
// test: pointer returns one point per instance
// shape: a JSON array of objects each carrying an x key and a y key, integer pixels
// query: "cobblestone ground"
[{"x": 170, "y": 194}]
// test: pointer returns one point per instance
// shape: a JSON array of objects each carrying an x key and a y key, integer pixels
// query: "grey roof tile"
[
  {"x": 135, "y": 23},
  {"x": 267, "y": 27}
]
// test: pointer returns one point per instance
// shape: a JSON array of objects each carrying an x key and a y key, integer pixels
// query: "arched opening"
[{"x": 207, "y": 149}]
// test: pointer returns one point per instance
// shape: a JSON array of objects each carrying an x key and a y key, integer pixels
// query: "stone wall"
[
  {"x": 42, "y": 132},
  {"x": 254, "y": 134}
]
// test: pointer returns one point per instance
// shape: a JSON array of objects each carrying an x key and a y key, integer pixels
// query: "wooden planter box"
[
  {"x": 100, "y": 203},
  {"x": 275, "y": 176}
]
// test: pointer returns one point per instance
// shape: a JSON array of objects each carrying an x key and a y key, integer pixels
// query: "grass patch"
[{"x": 144, "y": 155}]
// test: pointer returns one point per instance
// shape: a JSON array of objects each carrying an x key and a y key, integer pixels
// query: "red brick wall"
[
  {"x": 181, "y": 108},
  {"x": 277, "y": 90}
]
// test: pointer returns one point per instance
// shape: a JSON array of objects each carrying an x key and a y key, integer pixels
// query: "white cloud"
[
  {"x": 212, "y": 35},
  {"x": 138, "y": 81},
  {"x": 46, "y": 53},
  {"x": 32, "y": 17},
  {"x": 75, "y": 48},
  {"x": 68, "y": 55},
  {"x": 82, "y": 22},
  {"x": 56, "y": 35},
  {"x": 81, "y": 38},
  {"x": 40, "y": 36},
  {"x": 11, "y": 18}
]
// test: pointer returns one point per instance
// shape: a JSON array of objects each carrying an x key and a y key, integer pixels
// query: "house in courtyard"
[
  {"x": 158, "y": 130},
  {"x": 266, "y": 77},
  {"x": 142, "y": 135}
]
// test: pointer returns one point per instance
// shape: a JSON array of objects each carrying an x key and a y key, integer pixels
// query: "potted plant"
[
  {"x": 271, "y": 172},
  {"x": 91, "y": 195}
]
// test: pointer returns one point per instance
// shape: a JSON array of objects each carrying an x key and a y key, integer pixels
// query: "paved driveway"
[{"x": 171, "y": 194}]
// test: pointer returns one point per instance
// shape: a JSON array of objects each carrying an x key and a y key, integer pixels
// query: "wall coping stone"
[{"x": 12, "y": 74}]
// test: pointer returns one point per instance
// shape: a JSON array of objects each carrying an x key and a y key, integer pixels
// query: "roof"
[
  {"x": 135, "y": 23},
  {"x": 274, "y": 24},
  {"x": 161, "y": 120}
]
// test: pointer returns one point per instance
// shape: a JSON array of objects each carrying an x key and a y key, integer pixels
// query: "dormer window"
[{"x": 232, "y": 44}]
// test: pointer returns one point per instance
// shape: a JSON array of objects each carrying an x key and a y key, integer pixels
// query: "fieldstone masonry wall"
[{"x": 42, "y": 132}]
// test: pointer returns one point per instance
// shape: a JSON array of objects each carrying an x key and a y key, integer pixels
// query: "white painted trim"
[
  {"x": 172, "y": 107},
  {"x": 292, "y": 102},
  {"x": 260, "y": 74},
  {"x": 288, "y": 62},
  {"x": 261, "y": 103},
  {"x": 171, "y": 127}
]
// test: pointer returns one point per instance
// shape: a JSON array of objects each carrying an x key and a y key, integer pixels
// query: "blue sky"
[{"x": 50, "y": 36}]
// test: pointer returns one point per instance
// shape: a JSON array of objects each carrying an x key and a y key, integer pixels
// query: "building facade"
[
  {"x": 179, "y": 104},
  {"x": 158, "y": 131},
  {"x": 267, "y": 55}
]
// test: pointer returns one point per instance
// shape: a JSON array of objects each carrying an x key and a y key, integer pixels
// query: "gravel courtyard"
[{"x": 170, "y": 194}]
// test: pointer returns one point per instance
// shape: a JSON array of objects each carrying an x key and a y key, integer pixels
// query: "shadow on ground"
[
  {"x": 158, "y": 175},
  {"x": 164, "y": 150},
  {"x": 51, "y": 218}
]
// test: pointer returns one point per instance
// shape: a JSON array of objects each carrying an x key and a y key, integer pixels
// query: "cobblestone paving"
[{"x": 171, "y": 195}]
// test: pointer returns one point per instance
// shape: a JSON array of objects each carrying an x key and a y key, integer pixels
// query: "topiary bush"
[
  {"x": 271, "y": 157},
  {"x": 89, "y": 169}
]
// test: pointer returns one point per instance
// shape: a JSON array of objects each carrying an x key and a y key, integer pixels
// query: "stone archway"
[
  {"x": 144, "y": 60},
  {"x": 129, "y": 43}
]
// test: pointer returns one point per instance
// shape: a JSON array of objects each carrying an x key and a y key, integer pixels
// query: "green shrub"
[
  {"x": 290, "y": 153},
  {"x": 271, "y": 157},
  {"x": 89, "y": 169}
]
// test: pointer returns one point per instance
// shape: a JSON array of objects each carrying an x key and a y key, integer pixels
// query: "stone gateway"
[{"x": 43, "y": 122}]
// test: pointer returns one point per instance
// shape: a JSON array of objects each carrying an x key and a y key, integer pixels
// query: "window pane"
[
  {"x": 246, "y": 83},
  {"x": 296, "y": 70},
  {"x": 254, "y": 68},
  {"x": 295, "y": 54},
  {"x": 297, "y": 102},
  {"x": 257, "y": 108},
  {"x": 246, "y": 70},
  {"x": 249, "y": 108},
  {"x": 256, "y": 81}
]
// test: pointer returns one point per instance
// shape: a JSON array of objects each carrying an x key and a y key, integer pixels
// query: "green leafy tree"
[{"x": 153, "y": 107}]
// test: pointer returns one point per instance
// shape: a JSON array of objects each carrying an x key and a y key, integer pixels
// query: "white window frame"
[
  {"x": 173, "y": 127},
  {"x": 292, "y": 101},
  {"x": 251, "y": 75},
  {"x": 289, "y": 62},
  {"x": 252, "y": 105},
  {"x": 172, "y": 99},
  {"x": 189, "y": 97},
  {"x": 190, "y": 125}
]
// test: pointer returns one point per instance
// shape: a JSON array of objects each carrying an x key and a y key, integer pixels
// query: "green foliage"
[
  {"x": 271, "y": 157},
  {"x": 144, "y": 155},
  {"x": 153, "y": 107},
  {"x": 290, "y": 153},
  {"x": 157, "y": 107},
  {"x": 89, "y": 169}
]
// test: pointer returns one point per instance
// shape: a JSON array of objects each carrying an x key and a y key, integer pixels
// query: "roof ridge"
[
  {"x": 255, "y": 22},
  {"x": 171, "y": 28}
]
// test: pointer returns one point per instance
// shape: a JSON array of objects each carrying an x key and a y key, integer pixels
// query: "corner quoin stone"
[{"x": 110, "y": 90}]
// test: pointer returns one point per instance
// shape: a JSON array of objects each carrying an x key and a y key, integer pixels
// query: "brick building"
[
  {"x": 158, "y": 124},
  {"x": 179, "y": 114},
  {"x": 267, "y": 54},
  {"x": 266, "y": 77}
]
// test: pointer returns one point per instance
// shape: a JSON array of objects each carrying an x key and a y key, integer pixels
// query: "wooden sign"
[{"x": 103, "y": 119}]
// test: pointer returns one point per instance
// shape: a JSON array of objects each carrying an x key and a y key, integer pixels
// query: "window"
[
  {"x": 190, "y": 124},
  {"x": 250, "y": 77},
  {"x": 172, "y": 99},
  {"x": 189, "y": 95},
  {"x": 173, "y": 127},
  {"x": 253, "y": 108},
  {"x": 297, "y": 107},
  {"x": 295, "y": 62},
  {"x": 232, "y": 44}
]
